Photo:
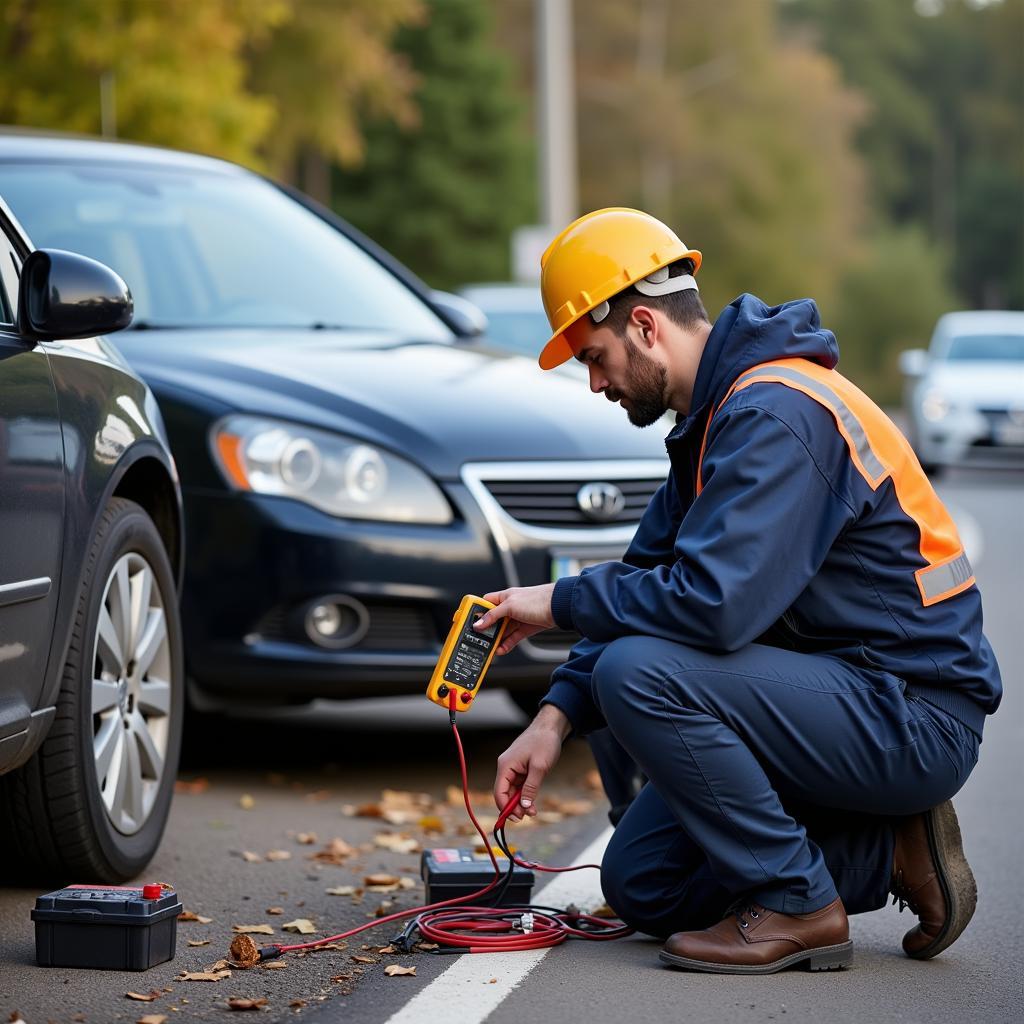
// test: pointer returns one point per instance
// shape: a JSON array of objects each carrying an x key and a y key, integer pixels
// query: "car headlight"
[
  {"x": 935, "y": 406},
  {"x": 336, "y": 474}
]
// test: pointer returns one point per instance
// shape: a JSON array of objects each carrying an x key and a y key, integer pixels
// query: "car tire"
[{"x": 57, "y": 816}]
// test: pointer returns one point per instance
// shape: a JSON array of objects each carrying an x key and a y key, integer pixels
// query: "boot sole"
[
  {"x": 959, "y": 889},
  {"x": 824, "y": 958}
]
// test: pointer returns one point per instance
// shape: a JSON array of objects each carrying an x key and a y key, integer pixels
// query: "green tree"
[
  {"x": 709, "y": 117},
  {"x": 944, "y": 136},
  {"x": 174, "y": 72},
  {"x": 445, "y": 194}
]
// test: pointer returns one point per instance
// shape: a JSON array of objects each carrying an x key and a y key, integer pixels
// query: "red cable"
[{"x": 491, "y": 929}]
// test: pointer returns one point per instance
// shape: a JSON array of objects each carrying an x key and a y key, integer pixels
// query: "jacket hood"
[{"x": 748, "y": 332}]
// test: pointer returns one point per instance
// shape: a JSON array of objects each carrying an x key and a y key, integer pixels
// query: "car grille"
[{"x": 553, "y": 503}]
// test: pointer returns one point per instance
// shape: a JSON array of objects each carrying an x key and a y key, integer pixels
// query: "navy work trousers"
[{"x": 774, "y": 776}]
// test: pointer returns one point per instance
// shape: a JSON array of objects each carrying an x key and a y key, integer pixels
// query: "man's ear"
[{"x": 647, "y": 321}]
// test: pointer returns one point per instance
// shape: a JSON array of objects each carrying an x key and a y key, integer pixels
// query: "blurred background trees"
[{"x": 867, "y": 152}]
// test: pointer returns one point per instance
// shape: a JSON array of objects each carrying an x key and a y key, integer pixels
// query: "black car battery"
[
  {"x": 119, "y": 928},
  {"x": 450, "y": 873}
]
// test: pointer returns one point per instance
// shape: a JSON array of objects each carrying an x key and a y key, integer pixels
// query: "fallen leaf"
[
  {"x": 275, "y": 910},
  {"x": 198, "y": 942},
  {"x": 604, "y": 911},
  {"x": 251, "y": 858},
  {"x": 275, "y": 965},
  {"x": 194, "y": 786},
  {"x": 144, "y": 997},
  {"x": 363, "y": 959},
  {"x": 396, "y": 843},
  {"x": 326, "y": 946},
  {"x": 405, "y": 882},
  {"x": 431, "y": 823},
  {"x": 477, "y": 797},
  {"x": 306, "y": 838},
  {"x": 425, "y": 947},
  {"x": 204, "y": 975},
  {"x": 341, "y": 890},
  {"x": 278, "y": 855},
  {"x": 318, "y": 796},
  {"x": 569, "y": 807},
  {"x": 387, "y": 949},
  {"x": 384, "y": 909},
  {"x": 252, "y": 929},
  {"x": 493, "y": 981},
  {"x": 394, "y": 970},
  {"x": 235, "y": 1003},
  {"x": 550, "y": 817},
  {"x": 335, "y": 852},
  {"x": 152, "y": 1018},
  {"x": 246, "y": 802},
  {"x": 302, "y": 925},
  {"x": 244, "y": 952},
  {"x": 188, "y": 915},
  {"x": 297, "y": 1003},
  {"x": 78, "y": 1016}
]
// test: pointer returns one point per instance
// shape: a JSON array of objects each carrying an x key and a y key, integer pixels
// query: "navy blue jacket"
[{"x": 787, "y": 543}]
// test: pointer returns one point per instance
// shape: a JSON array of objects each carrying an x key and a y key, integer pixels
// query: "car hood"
[
  {"x": 986, "y": 385},
  {"x": 441, "y": 404}
]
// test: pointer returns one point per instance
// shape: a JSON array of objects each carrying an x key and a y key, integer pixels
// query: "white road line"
[{"x": 463, "y": 994}]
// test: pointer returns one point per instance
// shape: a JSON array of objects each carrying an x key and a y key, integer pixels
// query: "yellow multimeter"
[{"x": 466, "y": 655}]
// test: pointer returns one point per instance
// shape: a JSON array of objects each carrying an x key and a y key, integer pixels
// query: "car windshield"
[
  {"x": 523, "y": 332},
  {"x": 987, "y": 347},
  {"x": 201, "y": 248}
]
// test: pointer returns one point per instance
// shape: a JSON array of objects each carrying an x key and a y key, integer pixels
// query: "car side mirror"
[
  {"x": 64, "y": 295},
  {"x": 465, "y": 318},
  {"x": 913, "y": 362}
]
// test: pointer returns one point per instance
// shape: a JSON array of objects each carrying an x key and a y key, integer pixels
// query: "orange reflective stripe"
[{"x": 880, "y": 452}]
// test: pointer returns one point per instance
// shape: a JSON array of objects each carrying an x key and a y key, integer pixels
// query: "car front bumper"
[{"x": 256, "y": 564}]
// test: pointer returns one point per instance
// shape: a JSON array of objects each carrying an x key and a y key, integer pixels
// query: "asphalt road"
[{"x": 306, "y": 771}]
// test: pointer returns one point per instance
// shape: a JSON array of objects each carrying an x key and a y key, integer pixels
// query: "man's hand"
[
  {"x": 528, "y": 610},
  {"x": 532, "y": 755}
]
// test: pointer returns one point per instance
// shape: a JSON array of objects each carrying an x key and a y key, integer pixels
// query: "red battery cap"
[
  {"x": 466, "y": 698},
  {"x": 152, "y": 892}
]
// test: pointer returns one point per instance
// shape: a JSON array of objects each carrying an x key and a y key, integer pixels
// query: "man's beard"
[{"x": 646, "y": 383}]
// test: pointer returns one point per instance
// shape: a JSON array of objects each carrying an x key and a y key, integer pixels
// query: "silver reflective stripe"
[
  {"x": 865, "y": 452},
  {"x": 940, "y": 579}
]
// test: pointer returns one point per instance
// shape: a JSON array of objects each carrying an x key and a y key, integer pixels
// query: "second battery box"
[{"x": 454, "y": 872}]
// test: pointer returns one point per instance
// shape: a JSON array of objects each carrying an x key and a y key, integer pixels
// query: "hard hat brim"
[{"x": 555, "y": 352}]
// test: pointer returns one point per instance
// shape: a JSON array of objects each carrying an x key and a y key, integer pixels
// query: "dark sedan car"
[
  {"x": 91, "y": 668},
  {"x": 350, "y": 465}
]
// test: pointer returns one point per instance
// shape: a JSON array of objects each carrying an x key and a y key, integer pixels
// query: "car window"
[
  {"x": 201, "y": 248},
  {"x": 987, "y": 347}
]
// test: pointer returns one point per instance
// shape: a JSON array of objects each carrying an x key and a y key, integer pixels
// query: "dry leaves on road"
[
  {"x": 302, "y": 925},
  {"x": 275, "y": 911},
  {"x": 337, "y": 851},
  {"x": 305, "y": 838},
  {"x": 188, "y": 915},
  {"x": 396, "y": 970},
  {"x": 251, "y": 858},
  {"x": 252, "y": 929},
  {"x": 278, "y": 855},
  {"x": 396, "y": 842},
  {"x": 246, "y": 802},
  {"x": 204, "y": 975},
  {"x": 236, "y": 1003},
  {"x": 198, "y": 942},
  {"x": 275, "y": 965},
  {"x": 152, "y": 1018},
  {"x": 194, "y": 786},
  {"x": 341, "y": 890},
  {"x": 144, "y": 997}
]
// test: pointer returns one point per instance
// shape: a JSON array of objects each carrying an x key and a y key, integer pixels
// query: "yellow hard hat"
[{"x": 597, "y": 256}]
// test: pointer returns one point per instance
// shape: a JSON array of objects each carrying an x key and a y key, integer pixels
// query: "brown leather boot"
[
  {"x": 753, "y": 940},
  {"x": 930, "y": 874}
]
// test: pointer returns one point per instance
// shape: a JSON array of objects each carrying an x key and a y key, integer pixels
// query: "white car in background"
[{"x": 965, "y": 395}]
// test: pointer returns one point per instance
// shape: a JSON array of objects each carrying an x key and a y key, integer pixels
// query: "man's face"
[{"x": 623, "y": 371}]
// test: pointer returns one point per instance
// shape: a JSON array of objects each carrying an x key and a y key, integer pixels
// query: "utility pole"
[{"x": 556, "y": 100}]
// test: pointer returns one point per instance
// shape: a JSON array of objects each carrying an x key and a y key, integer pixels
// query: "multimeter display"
[
  {"x": 466, "y": 655},
  {"x": 472, "y": 649}
]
